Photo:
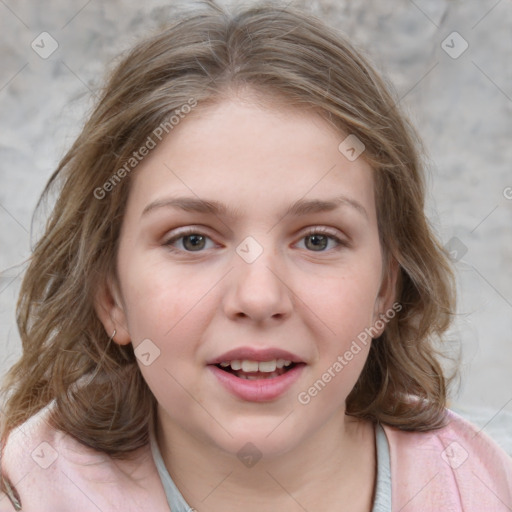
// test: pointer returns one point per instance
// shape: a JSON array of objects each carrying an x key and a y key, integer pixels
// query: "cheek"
[
  {"x": 171, "y": 307},
  {"x": 345, "y": 307},
  {"x": 344, "y": 301},
  {"x": 172, "y": 314},
  {"x": 159, "y": 297}
]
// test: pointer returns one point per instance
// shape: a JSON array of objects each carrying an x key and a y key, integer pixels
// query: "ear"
[
  {"x": 111, "y": 312},
  {"x": 387, "y": 295}
]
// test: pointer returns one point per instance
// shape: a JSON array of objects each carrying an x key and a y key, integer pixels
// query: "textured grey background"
[{"x": 461, "y": 106}]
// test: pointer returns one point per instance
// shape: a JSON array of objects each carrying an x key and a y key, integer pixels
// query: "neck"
[{"x": 336, "y": 467}]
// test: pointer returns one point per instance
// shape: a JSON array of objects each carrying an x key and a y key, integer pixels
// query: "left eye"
[{"x": 318, "y": 240}]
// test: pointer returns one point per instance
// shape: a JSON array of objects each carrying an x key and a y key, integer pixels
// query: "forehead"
[{"x": 252, "y": 157}]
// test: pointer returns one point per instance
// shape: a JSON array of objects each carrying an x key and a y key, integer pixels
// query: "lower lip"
[{"x": 259, "y": 390}]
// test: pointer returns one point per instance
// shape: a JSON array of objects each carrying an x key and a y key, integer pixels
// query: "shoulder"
[
  {"x": 457, "y": 467},
  {"x": 49, "y": 470}
]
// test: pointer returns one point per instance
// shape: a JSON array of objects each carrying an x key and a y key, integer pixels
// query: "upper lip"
[{"x": 256, "y": 354}]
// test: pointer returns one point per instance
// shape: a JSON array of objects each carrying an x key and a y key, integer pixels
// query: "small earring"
[{"x": 112, "y": 337}]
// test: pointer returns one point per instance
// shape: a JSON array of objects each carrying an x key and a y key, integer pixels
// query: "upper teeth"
[{"x": 256, "y": 366}]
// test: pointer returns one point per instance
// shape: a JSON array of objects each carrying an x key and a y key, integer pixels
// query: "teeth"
[
  {"x": 236, "y": 365},
  {"x": 248, "y": 366},
  {"x": 267, "y": 366}
]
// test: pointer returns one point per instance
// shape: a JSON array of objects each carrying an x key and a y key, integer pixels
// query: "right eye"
[{"x": 190, "y": 240}]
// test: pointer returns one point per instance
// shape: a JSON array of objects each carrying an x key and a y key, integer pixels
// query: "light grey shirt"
[{"x": 382, "y": 502}]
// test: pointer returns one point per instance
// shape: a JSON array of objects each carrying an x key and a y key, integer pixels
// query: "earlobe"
[{"x": 110, "y": 311}]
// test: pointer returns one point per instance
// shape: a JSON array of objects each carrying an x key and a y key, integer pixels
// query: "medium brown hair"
[{"x": 99, "y": 394}]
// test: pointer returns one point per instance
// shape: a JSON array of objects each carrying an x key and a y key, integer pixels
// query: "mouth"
[
  {"x": 257, "y": 370},
  {"x": 255, "y": 374}
]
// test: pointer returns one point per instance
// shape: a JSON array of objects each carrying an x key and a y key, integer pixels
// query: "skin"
[{"x": 256, "y": 159}]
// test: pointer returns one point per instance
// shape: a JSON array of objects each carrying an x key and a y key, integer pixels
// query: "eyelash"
[{"x": 313, "y": 231}]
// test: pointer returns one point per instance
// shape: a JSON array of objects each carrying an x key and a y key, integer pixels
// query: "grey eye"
[{"x": 317, "y": 242}]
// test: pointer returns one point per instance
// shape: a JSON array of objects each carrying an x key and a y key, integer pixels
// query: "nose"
[{"x": 258, "y": 291}]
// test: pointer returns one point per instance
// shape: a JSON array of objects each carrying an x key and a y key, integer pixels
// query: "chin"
[{"x": 267, "y": 437}]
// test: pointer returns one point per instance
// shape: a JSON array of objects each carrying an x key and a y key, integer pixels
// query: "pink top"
[{"x": 456, "y": 468}]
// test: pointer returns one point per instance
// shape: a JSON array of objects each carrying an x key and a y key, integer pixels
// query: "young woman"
[{"x": 237, "y": 300}]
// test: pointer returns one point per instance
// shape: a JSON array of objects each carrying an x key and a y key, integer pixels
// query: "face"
[{"x": 249, "y": 262}]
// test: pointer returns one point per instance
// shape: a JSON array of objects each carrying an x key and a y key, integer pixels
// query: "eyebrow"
[{"x": 213, "y": 207}]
